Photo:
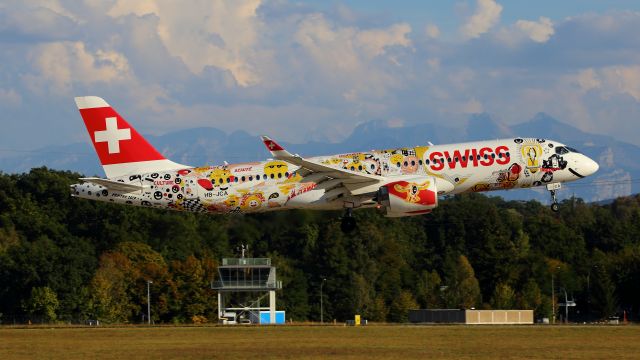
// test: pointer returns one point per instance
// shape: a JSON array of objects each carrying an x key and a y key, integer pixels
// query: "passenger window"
[{"x": 258, "y": 177}]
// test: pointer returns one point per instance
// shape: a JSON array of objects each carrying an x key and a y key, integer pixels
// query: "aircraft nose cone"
[{"x": 590, "y": 166}]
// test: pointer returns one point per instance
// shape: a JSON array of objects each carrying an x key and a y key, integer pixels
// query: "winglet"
[{"x": 276, "y": 150}]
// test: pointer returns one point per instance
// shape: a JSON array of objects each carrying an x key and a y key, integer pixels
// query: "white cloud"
[
  {"x": 288, "y": 68},
  {"x": 206, "y": 33},
  {"x": 137, "y": 7},
  {"x": 347, "y": 57},
  {"x": 587, "y": 80},
  {"x": 432, "y": 31},
  {"x": 622, "y": 80},
  {"x": 60, "y": 64},
  {"x": 374, "y": 42},
  {"x": 486, "y": 16},
  {"x": 539, "y": 31}
]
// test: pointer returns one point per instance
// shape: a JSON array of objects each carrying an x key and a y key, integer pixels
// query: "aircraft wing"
[
  {"x": 357, "y": 183},
  {"x": 114, "y": 185}
]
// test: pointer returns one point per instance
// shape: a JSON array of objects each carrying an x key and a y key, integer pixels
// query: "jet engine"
[{"x": 409, "y": 197}]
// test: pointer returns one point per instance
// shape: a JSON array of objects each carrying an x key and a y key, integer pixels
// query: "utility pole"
[
  {"x": 553, "y": 301},
  {"x": 149, "y": 282},
  {"x": 321, "y": 308},
  {"x": 566, "y": 306}
]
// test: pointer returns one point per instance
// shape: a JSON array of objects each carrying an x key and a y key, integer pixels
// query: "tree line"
[{"x": 69, "y": 260}]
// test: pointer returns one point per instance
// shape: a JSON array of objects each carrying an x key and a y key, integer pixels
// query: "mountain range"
[{"x": 618, "y": 175}]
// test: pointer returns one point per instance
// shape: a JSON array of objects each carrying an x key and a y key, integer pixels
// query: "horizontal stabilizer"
[{"x": 114, "y": 185}]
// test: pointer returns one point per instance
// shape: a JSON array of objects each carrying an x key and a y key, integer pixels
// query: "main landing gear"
[
  {"x": 552, "y": 190},
  {"x": 348, "y": 221}
]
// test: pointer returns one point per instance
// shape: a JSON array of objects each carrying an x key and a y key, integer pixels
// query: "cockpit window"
[
  {"x": 561, "y": 150},
  {"x": 573, "y": 150}
]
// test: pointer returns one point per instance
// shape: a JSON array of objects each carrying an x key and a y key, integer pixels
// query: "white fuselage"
[{"x": 276, "y": 184}]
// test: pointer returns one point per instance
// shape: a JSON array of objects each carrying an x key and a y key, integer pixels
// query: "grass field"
[{"x": 315, "y": 342}]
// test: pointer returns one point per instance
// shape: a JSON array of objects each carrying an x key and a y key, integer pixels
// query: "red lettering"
[
  {"x": 503, "y": 155},
  {"x": 464, "y": 159},
  {"x": 474, "y": 153},
  {"x": 436, "y": 164},
  {"x": 451, "y": 161},
  {"x": 485, "y": 153},
  {"x": 486, "y": 156}
]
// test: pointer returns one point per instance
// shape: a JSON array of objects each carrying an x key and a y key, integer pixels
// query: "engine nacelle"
[{"x": 409, "y": 197}]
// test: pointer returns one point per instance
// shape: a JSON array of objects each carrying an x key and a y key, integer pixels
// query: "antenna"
[{"x": 242, "y": 249}]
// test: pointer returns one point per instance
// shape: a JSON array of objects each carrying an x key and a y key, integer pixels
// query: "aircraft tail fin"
[
  {"x": 276, "y": 150},
  {"x": 121, "y": 149}
]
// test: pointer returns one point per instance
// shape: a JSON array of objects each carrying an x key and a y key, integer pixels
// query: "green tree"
[
  {"x": 378, "y": 310},
  {"x": 42, "y": 304},
  {"x": 530, "y": 298},
  {"x": 462, "y": 288},
  {"x": 401, "y": 305},
  {"x": 503, "y": 297},
  {"x": 110, "y": 289},
  {"x": 603, "y": 297},
  {"x": 428, "y": 290}
]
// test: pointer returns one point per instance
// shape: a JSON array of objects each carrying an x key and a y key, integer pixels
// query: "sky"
[{"x": 313, "y": 70}]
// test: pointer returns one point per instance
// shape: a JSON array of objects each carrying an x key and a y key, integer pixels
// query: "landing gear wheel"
[
  {"x": 348, "y": 223},
  {"x": 554, "y": 201}
]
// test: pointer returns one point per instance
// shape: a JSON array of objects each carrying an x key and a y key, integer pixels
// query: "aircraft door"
[{"x": 190, "y": 187}]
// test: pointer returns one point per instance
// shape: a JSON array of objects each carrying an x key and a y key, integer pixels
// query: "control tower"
[{"x": 242, "y": 285}]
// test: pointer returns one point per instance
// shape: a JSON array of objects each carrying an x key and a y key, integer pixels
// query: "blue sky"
[{"x": 301, "y": 70}]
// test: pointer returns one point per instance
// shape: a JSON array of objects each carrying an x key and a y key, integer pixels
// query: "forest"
[{"x": 68, "y": 260}]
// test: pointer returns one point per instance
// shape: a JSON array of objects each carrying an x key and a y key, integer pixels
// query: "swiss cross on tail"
[
  {"x": 114, "y": 139},
  {"x": 275, "y": 149},
  {"x": 121, "y": 149},
  {"x": 271, "y": 145},
  {"x": 112, "y": 135}
]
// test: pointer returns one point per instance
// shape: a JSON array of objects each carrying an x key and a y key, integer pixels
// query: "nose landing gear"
[{"x": 552, "y": 190}]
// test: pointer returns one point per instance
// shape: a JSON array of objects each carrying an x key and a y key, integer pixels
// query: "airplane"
[{"x": 401, "y": 182}]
